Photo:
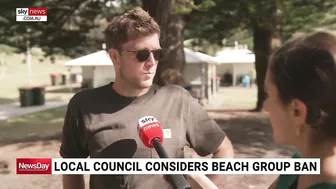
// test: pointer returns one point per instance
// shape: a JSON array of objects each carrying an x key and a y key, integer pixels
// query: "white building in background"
[
  {"x": 97, "y": 69},
  {"x": 237, "y": 61},
  {"x": 200, "y": 71}
]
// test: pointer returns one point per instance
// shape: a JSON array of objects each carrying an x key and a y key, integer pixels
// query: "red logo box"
[
  {"x": 33, "y": 165},
  {"x": 37, "y": 11}
]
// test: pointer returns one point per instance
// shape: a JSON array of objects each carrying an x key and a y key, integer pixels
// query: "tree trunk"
[
  {"x": 262, "y": 39},
  {"x": 172, "y": 28},
  {"x": 173, "y": 43}
]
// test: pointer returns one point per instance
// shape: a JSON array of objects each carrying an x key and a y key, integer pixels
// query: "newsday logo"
[
  {"x": 33, "y": 166},
  {"x": 31, "y": 14}
]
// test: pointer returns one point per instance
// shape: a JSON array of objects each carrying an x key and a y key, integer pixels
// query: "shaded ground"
[
  {"x": 38, "y": 135},
  {"x": 251, "y": 135}
]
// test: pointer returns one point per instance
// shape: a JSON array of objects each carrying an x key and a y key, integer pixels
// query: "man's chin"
[{"x": 146, "y": 84}]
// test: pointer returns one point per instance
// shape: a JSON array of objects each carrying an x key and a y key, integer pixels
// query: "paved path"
[
  {"x": 224, "y": 100},
  {"x": 14, "y": 110}
]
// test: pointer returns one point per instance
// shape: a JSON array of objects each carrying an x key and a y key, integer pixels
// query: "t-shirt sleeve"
[
  {"x": 203, "y": 133},
  {"x": 73, "y": 144}
]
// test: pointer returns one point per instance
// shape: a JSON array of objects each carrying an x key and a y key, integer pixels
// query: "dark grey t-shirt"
[{"x": 102, "y": 124}]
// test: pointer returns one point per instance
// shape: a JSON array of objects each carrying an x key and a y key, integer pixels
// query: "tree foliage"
[
  {"x": 74, "y": 27},
  {"x": 264, "y": 19}
]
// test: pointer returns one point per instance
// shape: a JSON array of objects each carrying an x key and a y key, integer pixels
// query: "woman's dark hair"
[{"x": 305, "y": 68}]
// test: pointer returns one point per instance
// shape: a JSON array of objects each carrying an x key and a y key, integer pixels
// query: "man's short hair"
[{"x": 129, "y": 26}]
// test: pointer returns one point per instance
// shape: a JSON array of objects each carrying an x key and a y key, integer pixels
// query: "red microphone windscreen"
[{"x": 149, "y": 128}]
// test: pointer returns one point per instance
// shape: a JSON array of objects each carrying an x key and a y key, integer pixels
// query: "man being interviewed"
[{"x": 102, "y": 122}]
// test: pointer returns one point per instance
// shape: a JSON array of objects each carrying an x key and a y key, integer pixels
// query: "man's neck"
[{"x": 125, "y": 89}]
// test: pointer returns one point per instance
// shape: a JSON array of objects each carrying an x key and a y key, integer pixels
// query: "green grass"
[
  {"x": 32, "y": 127},
  {"x": 16, "y": 75},
  {"x": 237, "y": 96},
  {"x": 35, "y": 126}
]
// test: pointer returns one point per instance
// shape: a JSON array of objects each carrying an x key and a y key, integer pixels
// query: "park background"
[{"x": 31, "y": 52}]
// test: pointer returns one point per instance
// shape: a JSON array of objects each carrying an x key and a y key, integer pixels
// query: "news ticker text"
[{"x": 98, "y": 166}]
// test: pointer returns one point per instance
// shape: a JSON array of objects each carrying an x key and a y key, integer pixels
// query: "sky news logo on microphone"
[
  {"x": 31, "y": 14},
  {"x": 149, "y": 129},
  {"x": 33, "y": 166}
]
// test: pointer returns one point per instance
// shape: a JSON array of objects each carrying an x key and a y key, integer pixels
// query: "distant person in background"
[
  {"x": 246, "y": 81},
  {"x": 301, "y": 88}
]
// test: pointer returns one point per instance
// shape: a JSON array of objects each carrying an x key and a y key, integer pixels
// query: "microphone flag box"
[
  {"x": 31, "y": 14},
  {"x": 149, "y": 128},
  {"x": 167, "y": 166}
]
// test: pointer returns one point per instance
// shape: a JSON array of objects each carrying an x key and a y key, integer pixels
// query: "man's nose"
[{"x": 151, "y": 60}]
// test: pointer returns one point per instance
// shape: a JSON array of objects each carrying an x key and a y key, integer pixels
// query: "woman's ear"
[{"x": 299, "y": 111}]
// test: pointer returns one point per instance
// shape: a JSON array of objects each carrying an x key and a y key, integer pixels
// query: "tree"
[
  {"x": 263, "y": 19},
  {"x": 171, "y": 15},
  {"x": 74, "y": 27},
  {"x": 258, "y": 16},
  {"x": 263, "y": 22},
  {"x": 172, "y": 27},
  {"x": 305, "y": 16}
]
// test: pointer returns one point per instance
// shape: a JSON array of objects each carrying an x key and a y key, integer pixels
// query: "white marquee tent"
[
  {"x": 200, "y": 72},
  {"x": 97, "y": 68},
  {"x": 100, "y": 58}
]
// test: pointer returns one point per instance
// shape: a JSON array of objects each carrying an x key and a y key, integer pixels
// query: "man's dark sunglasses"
[{"x": 143, "y": 55}]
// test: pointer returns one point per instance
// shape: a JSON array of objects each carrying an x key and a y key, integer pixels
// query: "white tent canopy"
[
  {"x": 198, "y": 57},
  {"x": 100, "y": 58},
  {"x": 231, "y": 56}
]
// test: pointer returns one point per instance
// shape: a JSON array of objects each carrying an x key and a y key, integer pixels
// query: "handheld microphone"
[{"x": 151, "y": 134}]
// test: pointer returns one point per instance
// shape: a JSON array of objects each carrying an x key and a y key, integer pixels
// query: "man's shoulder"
[
  {"x": 86, "y": 94},
  {"x": 176, "y": 94},
  {"x": 173, "y": 89}
]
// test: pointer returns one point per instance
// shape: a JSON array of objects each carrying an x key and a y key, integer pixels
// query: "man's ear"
[
  {"x": 115, "y": 57},
  {"x": 299, "y": 110}
]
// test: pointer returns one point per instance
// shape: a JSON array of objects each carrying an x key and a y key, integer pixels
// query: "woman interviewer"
[{"x": 301, "y": 101}]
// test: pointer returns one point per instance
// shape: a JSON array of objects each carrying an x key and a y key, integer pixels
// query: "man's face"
[{"x": 132, "y": 71}]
